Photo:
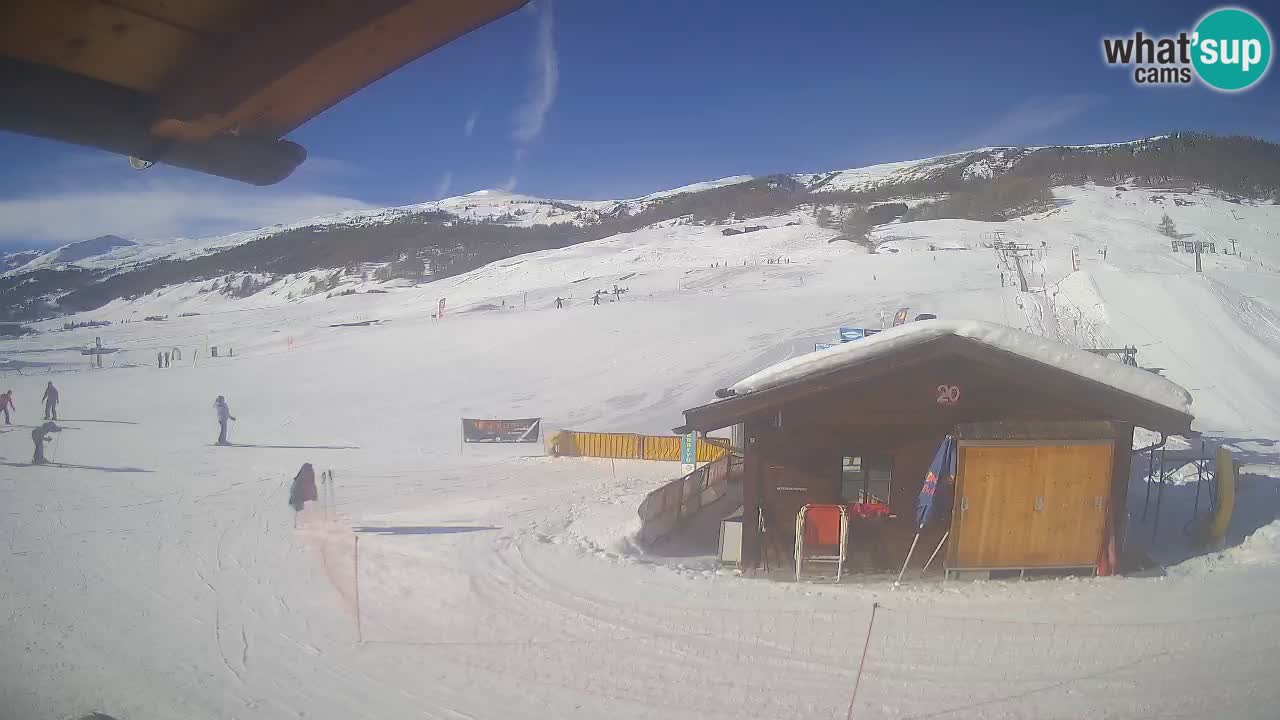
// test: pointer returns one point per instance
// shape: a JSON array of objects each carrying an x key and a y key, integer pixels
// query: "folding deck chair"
[{"x": 822, "y": 528}]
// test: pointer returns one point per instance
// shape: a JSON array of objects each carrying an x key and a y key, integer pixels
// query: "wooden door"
[
  {"x": 995, "y": 492},
  {"x": 1030, "y": 506},
  {"x": 1077, "y": 498}
]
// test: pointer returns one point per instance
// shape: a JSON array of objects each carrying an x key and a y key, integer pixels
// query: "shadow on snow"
[
  {"x": 72, "y": 466},
  {"x": 422, "y": 529}
]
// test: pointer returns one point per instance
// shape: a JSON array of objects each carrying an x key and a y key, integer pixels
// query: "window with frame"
[{"x": 866, "y": 478}]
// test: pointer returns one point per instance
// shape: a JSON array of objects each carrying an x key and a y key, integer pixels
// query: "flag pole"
[
  {"x": 902, "y": 572},
  {"x": 935, "y": 552}
]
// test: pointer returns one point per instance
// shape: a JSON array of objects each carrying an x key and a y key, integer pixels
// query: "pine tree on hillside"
[
  {"x": 855, "y": 223},
  {"x": 1167, "y": 227}
]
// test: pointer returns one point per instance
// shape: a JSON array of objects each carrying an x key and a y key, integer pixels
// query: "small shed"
[{"x": 1044, "y": 433}]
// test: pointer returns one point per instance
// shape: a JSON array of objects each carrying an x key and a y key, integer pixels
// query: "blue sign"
[
  {"x": 688, "y": 449},
  {"x": 851, "y": 334},
  {"x": 822, "y": 346}
]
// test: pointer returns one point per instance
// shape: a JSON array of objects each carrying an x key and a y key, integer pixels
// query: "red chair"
[{"x": 822, "y": 528}]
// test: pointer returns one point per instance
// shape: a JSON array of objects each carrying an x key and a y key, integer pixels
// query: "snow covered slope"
[
  {"x": 75, "y": 252},
  {"x": 150, "y": 574},
  {"x": 516, "y": 210}
]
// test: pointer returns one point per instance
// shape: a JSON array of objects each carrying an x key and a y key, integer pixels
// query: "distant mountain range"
[{"x": 446, "y": 237}]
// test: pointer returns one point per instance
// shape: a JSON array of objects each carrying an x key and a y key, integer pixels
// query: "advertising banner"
[{"x": 525, "y": 430}]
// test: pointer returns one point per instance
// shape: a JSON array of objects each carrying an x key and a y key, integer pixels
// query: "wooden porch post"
[
  {"x": 1122, "y": 458},
  {"x": 751, "y": 469}
]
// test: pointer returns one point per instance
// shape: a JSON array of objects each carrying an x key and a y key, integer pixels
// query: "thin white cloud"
[
  {"x": 319, "y": 167},
  {"x": 156, "y": 210},
  {"x": 469, "y": 127},
  {"x": 531, "y": 116},
  {"x": 1035, "y": 115},
  {"x": 517, "y": 167},
  {"x": 444, "y": 183}
]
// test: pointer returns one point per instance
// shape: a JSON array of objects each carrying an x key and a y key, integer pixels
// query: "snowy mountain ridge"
[
  {"x": 452, "y": 236},
  {"x": 518, "y": 210}
]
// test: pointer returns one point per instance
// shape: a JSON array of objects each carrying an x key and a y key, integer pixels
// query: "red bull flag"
[{"x": 942, "y": 471}]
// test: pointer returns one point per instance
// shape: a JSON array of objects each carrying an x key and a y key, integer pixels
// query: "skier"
[
  {"x": 159, "y": 359},
  {"x": 595, "y": 299},
  {"x": 559, "y": 303},
  {"x": 6, "y": 404},
  {"x": 304, "y": 487},
  {"x": 224, "y": 414},
  {"x": 617, "y": 293},
  {"x": 40, "y": 436},
  {"x": 50, "y": 398},
  {"x": 168, "y": 359}
]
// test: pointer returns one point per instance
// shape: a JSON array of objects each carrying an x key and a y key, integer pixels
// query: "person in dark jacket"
[
  {"x": 559, "y": 303},
  {"x": 6, "y": 404},
  {"x": 304, "y": 488},
  {"x": 50, "y": 398},
  {"x": 159, "y": 360},
  {"x": 40, "y": 436},
  {"x": 224, "y": 414}
]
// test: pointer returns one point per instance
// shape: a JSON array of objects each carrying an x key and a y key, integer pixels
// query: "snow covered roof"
[{"x": 1125, "y": 378}]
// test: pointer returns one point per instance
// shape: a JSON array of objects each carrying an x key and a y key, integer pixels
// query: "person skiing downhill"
[
  {"x": 40, "y": 436},
  {"x": 224, "y": 414},
  {"x": 6, "y": 404},
  {"x": 50, "y": 398},
  {"x": 559, "y": 303}
]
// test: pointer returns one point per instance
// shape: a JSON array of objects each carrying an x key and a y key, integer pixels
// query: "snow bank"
[
  {"x": 1122, "y": 377},
  {"x": 1262, "y": 547}
]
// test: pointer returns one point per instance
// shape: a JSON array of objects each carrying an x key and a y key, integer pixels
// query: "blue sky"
[{"x": 586, "y": 99}]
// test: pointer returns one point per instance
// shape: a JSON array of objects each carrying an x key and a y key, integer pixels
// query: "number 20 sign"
[{"x": 948, "y": 394}]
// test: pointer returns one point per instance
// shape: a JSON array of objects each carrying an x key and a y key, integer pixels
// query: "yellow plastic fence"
[{"x": 629, "y": 446}]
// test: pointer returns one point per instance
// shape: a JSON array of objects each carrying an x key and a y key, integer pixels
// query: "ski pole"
[{"x": 333, "y": 496}]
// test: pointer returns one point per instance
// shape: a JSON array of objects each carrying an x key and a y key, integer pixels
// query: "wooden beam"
[
  {"x": 96, "y": 40},
  {"x": 300, "y": 58}
]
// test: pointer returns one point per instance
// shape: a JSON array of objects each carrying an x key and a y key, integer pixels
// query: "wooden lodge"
[{"x": 1042, "y": 465}]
